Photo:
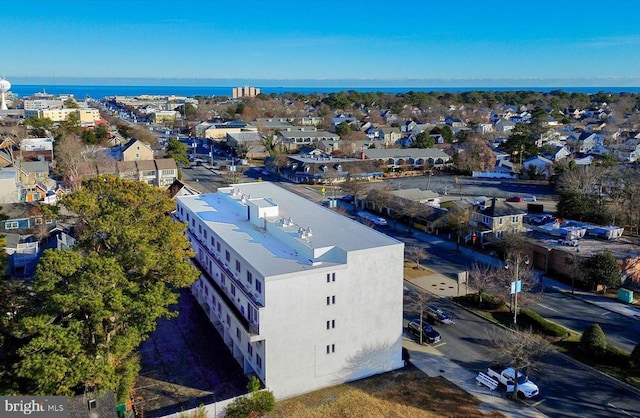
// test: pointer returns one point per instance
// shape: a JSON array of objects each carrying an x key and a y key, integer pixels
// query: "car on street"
[
  {"x": 429, "y": 335},
  {"x": 529, "y": 198},
  {"x": 438, "y": 315},
  {"x": 515, "y": 199}
]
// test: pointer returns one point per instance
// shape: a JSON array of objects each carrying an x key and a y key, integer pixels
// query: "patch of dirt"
[
  {"x": 402, "y": 393},
  {"x": 411, "y": 271}
]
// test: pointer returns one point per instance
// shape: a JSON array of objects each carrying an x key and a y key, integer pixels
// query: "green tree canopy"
[
  {"x": 423, "y": 140},
  {"x": 602, "y": 269},
  {"x": 178, "y": 151},
  {"x": 99, "y": 300},
  {"x": 445, "y": 131},
  {"x": 39, "y": 127}
]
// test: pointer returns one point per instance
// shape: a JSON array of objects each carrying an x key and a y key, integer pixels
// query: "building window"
[
  {"x": 258, "y": 286},
  {"x": 333, "y": 277},
  {"x": 11, "y": 225},
  {"x": 227, "y": 256},
  {"x": 331, "y": 348},
  {"x": 249, "y": 349},
  {"x": 331, "y": 324},
  {"x": 233, "y": 290},
  {"x": 218, "y": 246},
  {"x": 514, "y": 219},
  {"x": 249, "y": 277},
  {"x": 259, "y": 361},
  {"x": 228, "y": 319},
  {"x": 205, "y": 235},
  {"x": 199, "y": 229},
  {"x": 328, "y": 277},
  {"x": 238, "y": 333},
  {"x": 237, "y": 266},
  {"x": 331, "y": 300},
  {"x": 213, "y": 242}
]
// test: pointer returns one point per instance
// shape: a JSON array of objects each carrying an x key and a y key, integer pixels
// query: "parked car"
[
  {"x": 429, "y": 334},
  {"x": 347, "y": 198},
  {"x": 438, "y": 314},
  {"x": 514, "y": 199}
]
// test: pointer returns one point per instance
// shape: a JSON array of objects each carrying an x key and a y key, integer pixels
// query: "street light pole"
[{"x": 516, "y": 285}]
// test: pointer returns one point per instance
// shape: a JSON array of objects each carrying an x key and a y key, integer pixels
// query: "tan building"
[
  {"x": 87, "y": 116},
  {"x": 246, "y": 91},
  {"x": 136, "y": 150},
  {"x": 165, "y": 116},
  {"x": 496, "y": 220}
]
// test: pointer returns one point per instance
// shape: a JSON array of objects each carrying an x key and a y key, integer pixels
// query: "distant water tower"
[{"x": 4, "y": 87}]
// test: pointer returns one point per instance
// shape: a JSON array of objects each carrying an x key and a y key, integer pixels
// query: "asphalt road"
[
  {"x": 573, "y": 313},
  {"x": 567, "y": 388}
]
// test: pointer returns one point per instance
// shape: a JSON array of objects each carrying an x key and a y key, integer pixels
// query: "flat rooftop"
[{"x": 280, "y": 248}]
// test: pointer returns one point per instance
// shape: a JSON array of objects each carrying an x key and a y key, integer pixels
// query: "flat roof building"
[{"x": 304, "y": 297}]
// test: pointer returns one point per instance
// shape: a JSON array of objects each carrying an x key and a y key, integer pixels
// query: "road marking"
[
  {"x": 631, "y": 341},
  {"x": 606, "y": 313},
  {"x": 439, "y": 344},
  {"x": 621, "y": 410},
  {"x": 547, "y": 307}
]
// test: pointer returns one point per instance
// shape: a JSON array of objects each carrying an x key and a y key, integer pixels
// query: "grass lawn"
[{"x": 402, "y": 393}]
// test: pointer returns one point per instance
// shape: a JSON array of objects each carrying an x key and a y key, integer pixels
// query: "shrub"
[
  {"x": 254, "y": 404},
  {"x": 472, "y": 300},
  {"x": 593, "y": 340},
  {"x": 540, "y": 324}
]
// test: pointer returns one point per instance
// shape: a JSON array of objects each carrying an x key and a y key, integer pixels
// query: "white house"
[
  {"x": 304, "y": 297},
  {"x": 539, "y": 165}
]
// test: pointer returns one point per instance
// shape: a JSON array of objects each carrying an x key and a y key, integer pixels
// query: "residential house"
[
  {"x": 136, "y": 150},
  {"x": 538, "y": 166},
  {"x": 299, "y": 293},
  {"x": 167, "y": 172},
  {"x": 504, "y": 126},
  {"x": 30, "y": 174},
  {"x": 494, "y": 221}
]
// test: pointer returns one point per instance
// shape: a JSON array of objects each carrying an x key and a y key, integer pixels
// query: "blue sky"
[{"x": 417, "y": 43}]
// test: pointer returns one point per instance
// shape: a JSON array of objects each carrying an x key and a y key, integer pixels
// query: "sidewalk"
[{"x": 433, "y": 364}]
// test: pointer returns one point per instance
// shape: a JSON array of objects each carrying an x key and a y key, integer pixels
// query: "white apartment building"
[{"x": 304, "y": 297}]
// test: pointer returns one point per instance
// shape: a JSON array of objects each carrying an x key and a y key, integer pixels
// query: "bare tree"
[
  {"x": 72, "y": 160},
  {"x": 415, "y": 303},
  {"x": 486, "y": 279},
  {"x": 416, "y": 254},
  {"x": 520, "y": 350},
  {"x": 355, "y": 188}
]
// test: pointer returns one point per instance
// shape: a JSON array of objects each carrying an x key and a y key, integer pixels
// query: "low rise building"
[{"x": 304, "y": 298}]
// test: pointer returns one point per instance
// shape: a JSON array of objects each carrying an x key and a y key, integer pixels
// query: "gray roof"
[
  {"x": 34, "y": 166},
  {"x": 376, "y": 153},
  {"x": 273, "y": 251}
]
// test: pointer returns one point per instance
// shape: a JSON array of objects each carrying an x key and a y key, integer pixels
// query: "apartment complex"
[
  {"x": 303, "y": 297},
  {"x": 246, "y": 91}
]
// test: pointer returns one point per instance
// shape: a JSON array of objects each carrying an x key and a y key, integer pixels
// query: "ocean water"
[{"x": 100, "y": 91}]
